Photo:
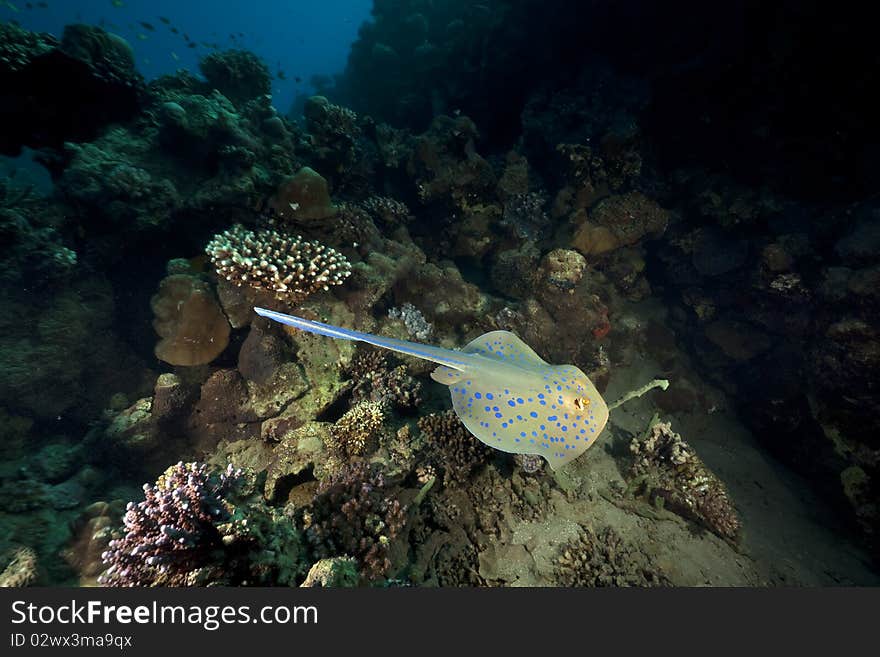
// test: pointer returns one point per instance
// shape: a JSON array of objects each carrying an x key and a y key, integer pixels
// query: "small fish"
[
  {"x": 117, "y": 3},
  {"x": 192, "y": 44},
  {"x": 174, "y": 56},
  {"x": 164, "y": 20},
  {"x": 174, "y": 30},
  {"x": 142, "y": 36},
  {"x": 147, "y": 26},
  {"x": 281, "y": 75},
  {"x": 43, "y": 5},
  {"x": 12, "y": 7},
  {"x": 504, "y": 393},
  {"x": 298, "y": 79}
]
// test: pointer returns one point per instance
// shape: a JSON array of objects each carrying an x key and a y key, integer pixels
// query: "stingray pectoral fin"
[{"x": 451, "y": 359}]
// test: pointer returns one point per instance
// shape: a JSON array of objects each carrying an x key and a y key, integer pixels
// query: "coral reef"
[
  {"x": 20, "y": 568},
  {"x": 354, "y": 514},
  {"x": 456, "y": 452},
  {"x": 604, "y": 559},
  {"x": 673, "y": 476},
  {"x": 189, "y": 532},
  {"x": 237, "y": 74}
]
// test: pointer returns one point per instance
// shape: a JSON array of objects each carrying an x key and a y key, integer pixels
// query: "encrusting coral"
[{"x": 269, "y": 260}]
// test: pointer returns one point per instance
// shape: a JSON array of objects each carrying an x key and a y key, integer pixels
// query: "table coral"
[{"x": 269, "y": 260}]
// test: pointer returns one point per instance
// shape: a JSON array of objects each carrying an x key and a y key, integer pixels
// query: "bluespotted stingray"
[{"x": 503, "y": 392}]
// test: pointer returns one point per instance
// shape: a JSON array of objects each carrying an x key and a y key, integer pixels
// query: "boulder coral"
[{"x": 192, "y": 328}]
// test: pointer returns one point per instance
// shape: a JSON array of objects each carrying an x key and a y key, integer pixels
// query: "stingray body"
[{"x": 502, "y": 391}]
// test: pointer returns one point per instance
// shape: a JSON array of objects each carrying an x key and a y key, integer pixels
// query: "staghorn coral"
[
  {"x": 353, "y": 514},
  {"x": 268, "y": 260},
  {"x": 453, "y": 448},
  {"x": 672, "y": 474},
  {"x": 20, "y": 570},
  {"x": 604, "y": 559}
]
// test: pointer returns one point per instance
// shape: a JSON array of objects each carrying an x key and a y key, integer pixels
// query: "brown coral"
[
  {"x": 604, "y": 559},
  {"x": 21, "y": 568},
  {"x": 192, "y": 328},
  {"x": 303, "y": 196},
  {"x": 268, "y": 260},
  {"x": 354, "y": 514},
  {"x": 670, "y": 470},
  {"x": 357, "y": 431},
  {"x": 456, "y": 451}
]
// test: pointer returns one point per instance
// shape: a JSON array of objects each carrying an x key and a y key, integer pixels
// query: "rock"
[{"x": 303, "y": 196}]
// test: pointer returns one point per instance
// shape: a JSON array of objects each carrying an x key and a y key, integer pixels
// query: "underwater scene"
[{"x": 462, "y": 293}]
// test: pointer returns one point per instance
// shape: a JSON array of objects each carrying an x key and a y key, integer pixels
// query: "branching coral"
[
  {"x": 375, "y": 380},
  {"x": 197, "y": 527},
  {"x": 455, "y": 450},
  {"x": 672, "y": 474},
  {"x": 353, "y": 514},
  {"x": 173, "y": 532},
  {"x": 20, "y": 570},
  {"x": 268, "y": 260},
  {"x": 357, "y": 431},
  {"x": 604, "y": 559}
]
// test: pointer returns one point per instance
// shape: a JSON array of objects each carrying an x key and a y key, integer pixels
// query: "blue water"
[{"x": 302, "y": 39}]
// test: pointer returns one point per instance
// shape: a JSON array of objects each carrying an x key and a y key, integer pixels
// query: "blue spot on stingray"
[
  {"x": 552, "y": 418},
  {"x": 489, "y": 395},
  {"x": 498, "y": 415},
  {"x": 519, "y": 417},
  {"x": 519, "y": 400},
  {"x": 488, "y": 409},
  {"x": 540, "y": 395},
  {"x": 557, "y": 387},
  {"x": 564, "y": 428},
  {"x": 506, "y": 391},
  {"x": 522, "y": 433},
  {"x": 504, "y": 425},
  {"x": 511, "y": 403},
  {"x": 478, "y": 395},
  {"x": 542, "y": 403},
  {"x": 495, "y": 408},
  {"x": 543, "y": 427},
  {"x": 582, "y": 431},
  {"x": 533, "y": 414}
]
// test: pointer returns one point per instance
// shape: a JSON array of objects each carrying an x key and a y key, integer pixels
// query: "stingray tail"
[{"x": 452, "y": 359}]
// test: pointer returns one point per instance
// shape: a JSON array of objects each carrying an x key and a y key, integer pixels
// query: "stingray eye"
[{"x": 577, "y": 404}]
